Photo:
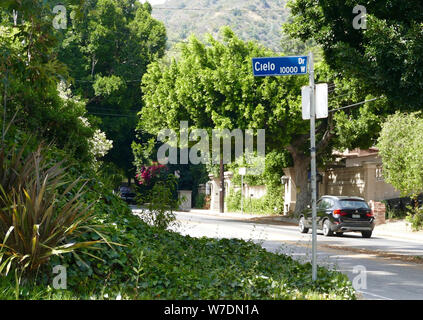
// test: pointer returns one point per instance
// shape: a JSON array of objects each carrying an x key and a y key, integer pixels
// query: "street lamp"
[
  {"x": 242, "y": 172},
  {"x": 284, "y": 180}
]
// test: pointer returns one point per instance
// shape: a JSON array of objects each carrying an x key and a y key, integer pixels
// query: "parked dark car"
[
  {"x": 127, "y": 194},
  {"x": 339, "y": 214}
]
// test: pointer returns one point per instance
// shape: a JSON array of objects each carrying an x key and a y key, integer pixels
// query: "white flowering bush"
[{"x": 99, "y": 143}]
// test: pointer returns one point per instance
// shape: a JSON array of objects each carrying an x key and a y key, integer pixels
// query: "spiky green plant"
[{"x": 40, "y": 213}]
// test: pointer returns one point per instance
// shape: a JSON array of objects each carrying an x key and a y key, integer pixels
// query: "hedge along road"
[{"x": 375, "y": 277}]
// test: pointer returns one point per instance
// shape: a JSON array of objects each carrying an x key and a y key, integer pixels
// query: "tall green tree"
[
  {"x": 379, "y": 60},
  {"x": 107, "y": 51},
  {"x": 386, "y": 54},
  {"x": 401, "y": 148},
  {"x": 212, "y": 87},
  {"x": 30, "y": 73}
]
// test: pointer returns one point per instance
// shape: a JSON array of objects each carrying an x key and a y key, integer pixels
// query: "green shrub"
[
  {"x": 250, "y": 205},
  {"x": 36, "y": 220},
  {"x": 233, "y": 201},
  {"x": 392, "y": 213},
  {"x": 200, "y": 201},
  {"x": 142, "y": 261},
  {"x": 271, "y": 203},
  {"x": 415, "y": 217},
  {"x": 156, "y": 264},
  {"x": 111, "y": 175},
  {"x": 161, "y": 203}
]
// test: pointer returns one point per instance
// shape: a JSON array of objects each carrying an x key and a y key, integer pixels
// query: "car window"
[
  {"x": 353, "y": 204},
  {"x": 325, "y": 204}
]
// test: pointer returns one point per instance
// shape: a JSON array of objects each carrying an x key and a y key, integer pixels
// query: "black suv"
[
  {"x": 339, "y": 214},
  {"x": 127, "y": 194}
]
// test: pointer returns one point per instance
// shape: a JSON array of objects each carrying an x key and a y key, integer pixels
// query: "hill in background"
[{"x": 259, "y": 20}]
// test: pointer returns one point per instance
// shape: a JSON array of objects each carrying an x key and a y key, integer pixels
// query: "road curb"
[{"x": 410, "y": 237}]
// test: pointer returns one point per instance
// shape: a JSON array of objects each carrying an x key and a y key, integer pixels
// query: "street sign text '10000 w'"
[{"x": 279, "y": 66}]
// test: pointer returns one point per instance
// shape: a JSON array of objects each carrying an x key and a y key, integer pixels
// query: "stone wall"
[
  {"x": 186, "y": 199},
  {"x": 344, "y": 181},
  {"x": 214, "y": 192},
  {"x": 361, "y": 181},
  {"x": 379, "y": 210},
  {"x": 255, "y": 192}
]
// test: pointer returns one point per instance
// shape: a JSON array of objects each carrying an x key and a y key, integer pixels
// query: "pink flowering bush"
[
  {"x": 147, "y": 176},
  {"x": 158, "y": 193}
]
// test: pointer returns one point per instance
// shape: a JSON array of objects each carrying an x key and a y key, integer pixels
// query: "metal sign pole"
[
  {"x": 284, "y": 66},
  {"x": 242, "y": 194},
  {"x": 313, "y": 165}
]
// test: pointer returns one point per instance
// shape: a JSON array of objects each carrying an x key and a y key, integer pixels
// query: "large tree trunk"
[
  {"x": 301, "y": 163},
  {"x": 301, "y": 169}
]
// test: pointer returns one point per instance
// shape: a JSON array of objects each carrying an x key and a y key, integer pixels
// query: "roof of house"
[
  {"x": 357, "y": 153},
  {"x": 343, "y": 197}
]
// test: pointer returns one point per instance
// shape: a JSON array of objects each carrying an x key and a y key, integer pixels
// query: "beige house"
[{"x": 356, "y": 173}]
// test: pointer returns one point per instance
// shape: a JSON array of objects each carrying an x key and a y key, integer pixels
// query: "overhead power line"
[
  {"x": 111, "y": 110},
  {"x": 113, "y": 114},
  {"x": 355, "y": 104}
]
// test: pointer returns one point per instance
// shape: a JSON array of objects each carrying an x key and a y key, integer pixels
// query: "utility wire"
[
  {"x": 110, "y": 109},
  {"x": 96, "y": 109},
  {"x": 113, "y": 115},
  {"x": 355, "y": 104}
]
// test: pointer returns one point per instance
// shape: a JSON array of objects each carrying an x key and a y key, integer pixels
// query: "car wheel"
[
  {"x": 302, "y": 226},
  {"x": 366, "y": 234},
  {"x": 327, "y": 232}
]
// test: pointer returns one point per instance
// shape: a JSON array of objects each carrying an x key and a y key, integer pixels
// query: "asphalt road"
[{"x": 374, "y": 277}]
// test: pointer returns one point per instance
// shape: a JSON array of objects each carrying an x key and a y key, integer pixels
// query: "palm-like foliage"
[{"x": 40, "y": 214}]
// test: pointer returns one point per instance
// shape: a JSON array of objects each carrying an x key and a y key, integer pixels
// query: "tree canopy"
[
  {"x": 212, "y": 86},
  {"x": 386, "y": 56},
  {"x": 401, "y": 147},
  {"x": 108, "y": 50},
  {"x": 29, "y": 76}
]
